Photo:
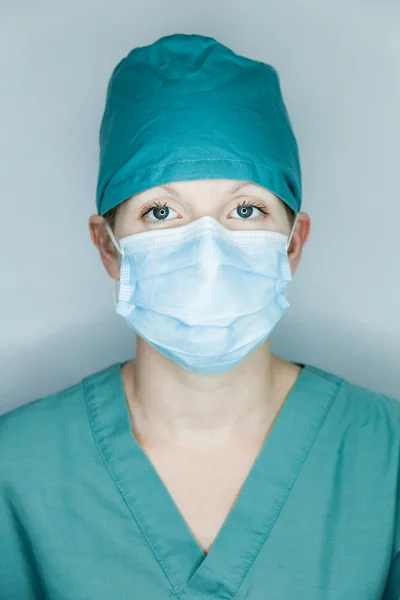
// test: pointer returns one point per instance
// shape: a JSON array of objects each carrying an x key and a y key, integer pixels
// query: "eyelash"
[
  {"x": 149, "y": 208},
  {"x": 145, "y": 211},
  {"x": 260, "y": 207}
]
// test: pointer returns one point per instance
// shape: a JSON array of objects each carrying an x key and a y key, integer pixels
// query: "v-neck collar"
[{"x": 191, "y": 573}]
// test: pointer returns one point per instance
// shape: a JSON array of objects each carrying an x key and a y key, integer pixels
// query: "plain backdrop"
[{"x": 339, "y": 65}]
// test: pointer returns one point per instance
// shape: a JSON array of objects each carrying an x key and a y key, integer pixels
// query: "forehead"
[{"x": 222, "y": 187}]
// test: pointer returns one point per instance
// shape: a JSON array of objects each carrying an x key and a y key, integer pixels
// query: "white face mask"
[{"x": 203, "y": 295}]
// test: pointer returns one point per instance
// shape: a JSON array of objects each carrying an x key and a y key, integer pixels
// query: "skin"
[{"x": 203, "y": 432}]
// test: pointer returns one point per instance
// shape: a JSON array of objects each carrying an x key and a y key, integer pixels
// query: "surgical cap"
[{"x": 187, "y": 107}]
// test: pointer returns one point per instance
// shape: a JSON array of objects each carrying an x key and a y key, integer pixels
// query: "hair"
[
  {"x": 291, "y": 215},
  {"x": 111, "y": 215}
]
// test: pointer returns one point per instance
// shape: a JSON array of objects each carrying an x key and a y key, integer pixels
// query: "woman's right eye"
[{"x": 159, "y": 212}]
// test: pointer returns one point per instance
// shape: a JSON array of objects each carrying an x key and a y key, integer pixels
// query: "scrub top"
[{"x": 85, "y": 516}]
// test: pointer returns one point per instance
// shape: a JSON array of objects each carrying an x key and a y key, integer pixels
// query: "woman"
[{"x": 206, "y": 467}]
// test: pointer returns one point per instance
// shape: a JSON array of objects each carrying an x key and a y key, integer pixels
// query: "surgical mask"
[{"x": 201, "y": 294}]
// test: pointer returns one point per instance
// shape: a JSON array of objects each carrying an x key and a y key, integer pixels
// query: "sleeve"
[
  {"x": 19, "y": 578},
  {"x": 392, "y": 589}
]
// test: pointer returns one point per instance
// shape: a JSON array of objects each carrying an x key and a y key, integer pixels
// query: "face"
[{"x": 235, "y": 204}]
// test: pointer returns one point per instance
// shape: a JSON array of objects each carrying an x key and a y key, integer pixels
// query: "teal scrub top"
[{"x": 85, "y": 516}]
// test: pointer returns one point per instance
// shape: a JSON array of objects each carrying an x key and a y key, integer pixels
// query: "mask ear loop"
[
  {"x": 121, "y": 252},
  {"x": 115, "y": 291},
  {"x": 114, "y": 240},
  {"x": 288, "y": 244},
  {"x": 291, "y": 233}
]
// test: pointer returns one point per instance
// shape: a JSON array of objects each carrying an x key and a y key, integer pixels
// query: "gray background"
[{"x": 339, "y": 67}]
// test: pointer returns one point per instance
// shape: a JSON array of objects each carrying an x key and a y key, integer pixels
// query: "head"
[
  {"x": 191, "y": 129},
  {"x": 236, "y": 204}
]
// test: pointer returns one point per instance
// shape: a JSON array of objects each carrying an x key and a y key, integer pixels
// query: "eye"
[
  {"x": 245, "y": 210},
  {"x": 158, "y": 212}
]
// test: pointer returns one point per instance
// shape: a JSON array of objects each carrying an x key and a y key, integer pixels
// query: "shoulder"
[
  {"x": 39, "y": 432},
  {"x": 34, "y": 435},
  {"x": 355, "y": 404},
  {"x": 354, "y": 391},
  {"x": 360, "y": 434},
  {"x": 31, "y": 421}
]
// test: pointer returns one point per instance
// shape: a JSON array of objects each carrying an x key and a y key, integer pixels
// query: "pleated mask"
[{"x": 201, "y": 294}]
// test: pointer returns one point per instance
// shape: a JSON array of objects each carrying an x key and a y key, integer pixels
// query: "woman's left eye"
[{"x": 246, "y": 211}]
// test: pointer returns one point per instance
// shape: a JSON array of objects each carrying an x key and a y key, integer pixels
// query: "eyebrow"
[{"x": 236, "y": 187}]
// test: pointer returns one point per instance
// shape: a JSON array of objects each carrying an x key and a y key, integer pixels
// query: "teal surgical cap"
[{"x": 187, "y": 107}]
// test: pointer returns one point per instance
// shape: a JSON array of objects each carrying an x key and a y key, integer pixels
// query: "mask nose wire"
[{"x": 291, "y": 233}]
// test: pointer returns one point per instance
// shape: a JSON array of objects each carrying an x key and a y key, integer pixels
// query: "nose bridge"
[
  {"x": 214, "y": 250},
  {"x": 206, "y": 205}
]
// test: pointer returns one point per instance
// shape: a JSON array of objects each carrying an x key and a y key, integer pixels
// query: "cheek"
[
  {"x": 280, "y": 213},
  {"x": 284, "y": 226},
  {"x": 130, "y": 224},
  {"x": 127, "y": 218},
  {"x": 277, "y": 223}
]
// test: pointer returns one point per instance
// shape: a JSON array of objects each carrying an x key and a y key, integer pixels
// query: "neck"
[{"x": 170, "y": 404}]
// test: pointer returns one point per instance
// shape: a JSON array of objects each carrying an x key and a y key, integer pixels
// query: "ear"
[
  {"x": 110, "y": 257},
  {"x": 299, "y": 238}
]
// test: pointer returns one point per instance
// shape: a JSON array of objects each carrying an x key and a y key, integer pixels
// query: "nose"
[{"x": 207, "y": 207}]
